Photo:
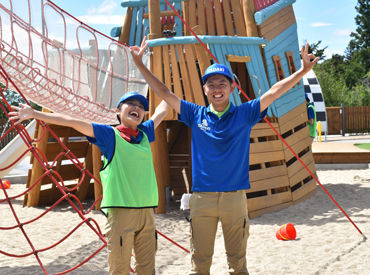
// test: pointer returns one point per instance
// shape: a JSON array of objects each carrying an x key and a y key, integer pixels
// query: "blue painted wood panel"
[{"x": 286, "y": 41}]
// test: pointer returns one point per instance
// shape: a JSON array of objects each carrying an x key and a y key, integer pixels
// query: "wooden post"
[
  {"x": 250, "y": 24},
  {"x": 125, "y": 31},
  {"x": 96, "y": 161},
  {"x": 159, "y": 147},
  {"x": 37, "y": 169}
]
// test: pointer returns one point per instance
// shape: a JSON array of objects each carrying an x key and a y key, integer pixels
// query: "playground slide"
[{"x": 14, "y": 149}]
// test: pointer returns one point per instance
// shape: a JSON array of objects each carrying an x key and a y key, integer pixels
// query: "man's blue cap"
[
  {"x": 306, "y": 96},
  {"x": 134, "y": 95},
  {"x": 217, "y": 69}
]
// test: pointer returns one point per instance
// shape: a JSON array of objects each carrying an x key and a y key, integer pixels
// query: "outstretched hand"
[
  {"x": 21, "y": 113},
  {"x": 138, "y": 52},
  {"x": 308, "y": 60}
]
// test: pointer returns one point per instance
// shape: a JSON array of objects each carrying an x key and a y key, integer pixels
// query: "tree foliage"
[{"x": 346, "y": 79}]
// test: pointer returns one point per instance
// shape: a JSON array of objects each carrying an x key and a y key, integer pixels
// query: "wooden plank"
[
  {"x": 268, "y": 201},
  {"x": 156, "y": 69},
  {"x": 60, "y": 131},
  {"x": 273, "y": 33},
  {"x": 342, "y": 157},
  {"x": 175, "y": 73},
  {"x": 292, "y": 114},
  {"x": 201, "y": 17},
  {"x": 237, "y": 58},
  {"x": 33, "y": 195},
  {"x": 125, "y": 34},
  {"x": 256, "y": 158},
  {"x": 296, "y": 166},
  {"x": 302, "y": 174},
  {"x": 210, "y": 20},
  {"x": 133, "y": 27},
  {"x": 228, "y": 18},
  {"x": 78, "y": 148},
  {"x": 250, "y": 23},
  {"x": 267, "y": 146},
  {"x": 97, "y": 164},
  {"x": 139, "y": 27},
  {"x": 238, "y": 18},
  {"x": 196, "y": 89},
  {"x": 167, "y": 78},
  {"x": 262, "y": 132},
  {"x": 185, "y": 74},
  {"x": 304, "y": 190},
  {"x": 67, "y": 172},
  {"x": 270, "y": 172},
  {"x": 220, "y": 26},
  {"x": 192, "y": 13},
  {"x": 269, "y": 183},
  {"x": 296, "y": 137},
  {"x": 297, "y": 147},
  {"x": 185, "y": 14}
]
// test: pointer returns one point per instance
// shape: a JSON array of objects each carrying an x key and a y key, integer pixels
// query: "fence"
[
  {"x": 4, "y": 126},
  {"x": 357, "y": 120}
]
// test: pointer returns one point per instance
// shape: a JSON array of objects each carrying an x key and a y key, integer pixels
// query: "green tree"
[{"x": 314, "y": 48}]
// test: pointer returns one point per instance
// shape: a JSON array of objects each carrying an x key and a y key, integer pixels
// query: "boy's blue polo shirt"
[
  {"x": 220, "y": 146},
  {"x": 105, "y": 138}
]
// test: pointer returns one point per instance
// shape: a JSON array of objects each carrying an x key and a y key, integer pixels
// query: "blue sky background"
[{"x": 331, "y": 21}]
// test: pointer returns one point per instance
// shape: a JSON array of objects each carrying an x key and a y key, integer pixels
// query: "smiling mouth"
[
  {"x": 134, "y": 114},
  {"x": 218, "y": 96}
]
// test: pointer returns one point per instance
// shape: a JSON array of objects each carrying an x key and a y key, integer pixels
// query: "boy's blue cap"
[
  {"x": 217, "y": 69},
  {"x": 137, "y": 96}
]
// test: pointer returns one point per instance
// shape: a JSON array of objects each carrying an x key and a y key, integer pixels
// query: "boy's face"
[
  {"x": 218, "y": 89},
  {"x": 131, "y": 113}
]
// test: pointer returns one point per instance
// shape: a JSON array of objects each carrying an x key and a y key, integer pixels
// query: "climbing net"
[{"x": 56, "y": 61}]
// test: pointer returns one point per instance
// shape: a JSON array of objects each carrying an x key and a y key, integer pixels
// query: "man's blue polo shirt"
[{"x": 220, "y": 146}]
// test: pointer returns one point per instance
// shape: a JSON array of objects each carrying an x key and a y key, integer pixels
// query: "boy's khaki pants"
[
  {"x": 128, "y": 229},
  {"x": 206, "y": 209}
]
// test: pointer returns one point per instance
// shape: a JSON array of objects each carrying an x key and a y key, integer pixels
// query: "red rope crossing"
[
  {"x": 29, "y": 70},
  {"x": 271, "y": 126}
]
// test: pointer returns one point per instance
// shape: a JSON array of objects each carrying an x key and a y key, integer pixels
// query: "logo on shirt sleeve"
[{"x": 204, "y": 125}]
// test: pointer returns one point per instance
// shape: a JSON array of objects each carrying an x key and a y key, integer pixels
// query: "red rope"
[{"x": 272, "y": 127}]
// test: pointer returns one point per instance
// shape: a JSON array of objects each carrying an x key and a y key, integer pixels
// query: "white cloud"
[
  {"x": 342, "y": 32},
  {"x": 107, "y": 7},
  {"x": 102, "y": 19},
  {"x": 320, "y": 24}
]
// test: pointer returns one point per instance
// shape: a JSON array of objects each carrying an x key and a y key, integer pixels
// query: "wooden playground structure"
[{"x": 256, "y": 39}]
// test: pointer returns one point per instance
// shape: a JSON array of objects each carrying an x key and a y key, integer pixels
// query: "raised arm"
[
  {"x": 160, "y": 113},
  {"x": 25, "y": 112},
  {"x": 158, "y": 86},
  {"x": 279, "y": 88}
]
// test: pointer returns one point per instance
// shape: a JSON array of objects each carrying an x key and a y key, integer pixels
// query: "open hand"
[
  {"x": 308, "y": 60},
  {"x": 138, "y": 52},
  {"x": 21, "y": 113}
]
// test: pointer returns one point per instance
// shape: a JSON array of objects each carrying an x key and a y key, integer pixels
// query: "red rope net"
[{"x": 58, "y": 62}]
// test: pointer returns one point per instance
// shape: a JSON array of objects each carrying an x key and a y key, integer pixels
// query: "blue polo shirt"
[
  {"x": 220, "y": 146},
  {"x": 105, "y": 138}
]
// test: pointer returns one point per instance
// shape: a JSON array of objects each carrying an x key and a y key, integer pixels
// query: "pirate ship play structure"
[{"x": 257, "y": 40}]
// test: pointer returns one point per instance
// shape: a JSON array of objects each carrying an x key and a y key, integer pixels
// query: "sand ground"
[{"x": 327, "y": 243}]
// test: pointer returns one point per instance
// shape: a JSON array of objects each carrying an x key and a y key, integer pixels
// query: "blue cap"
[
  {"x": 306, "y": 96},
  {"x": 217, "y": 69},
  {"x": 137, "y": 96}
]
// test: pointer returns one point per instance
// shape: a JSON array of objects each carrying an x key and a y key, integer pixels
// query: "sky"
[{"x": 330, "y": 21}]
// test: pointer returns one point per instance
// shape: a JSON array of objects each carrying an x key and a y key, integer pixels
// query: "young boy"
[
  {"x": 220, "y": 156},
  {"x": 129, "y": 185}
]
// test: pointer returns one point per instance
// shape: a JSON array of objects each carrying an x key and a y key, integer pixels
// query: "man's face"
[
  {"x": 218, "y": 89},
  {"x": 131, "y": 113}
]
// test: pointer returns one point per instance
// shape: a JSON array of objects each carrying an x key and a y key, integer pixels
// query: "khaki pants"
[
  {"x": 128, "y": 229},
  {"x": 206, "y": 209}
]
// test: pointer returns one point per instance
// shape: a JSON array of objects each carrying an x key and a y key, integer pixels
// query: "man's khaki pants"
[
  {"x": 128, "y": 229},
  {"x": 206, "y": 209}
]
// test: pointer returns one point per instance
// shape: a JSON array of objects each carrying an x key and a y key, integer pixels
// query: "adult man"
[{"x": 220, "y": 158}]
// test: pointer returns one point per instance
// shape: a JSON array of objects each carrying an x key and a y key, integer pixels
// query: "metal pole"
[{"x": 343, "y": 121}]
